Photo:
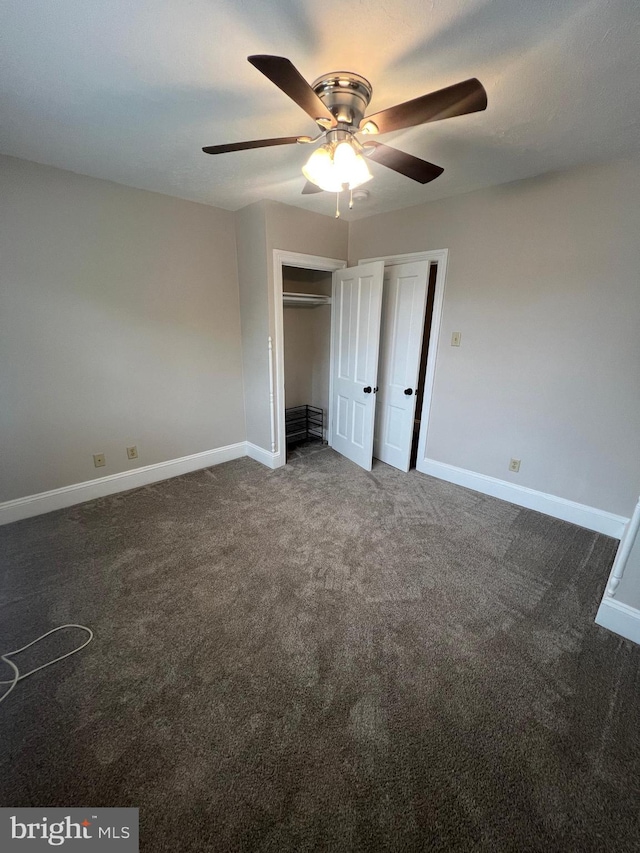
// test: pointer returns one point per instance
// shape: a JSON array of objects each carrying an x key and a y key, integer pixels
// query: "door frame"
[
  {"x": 441, "y": 256},
  {"x": 282, "y": 257}
]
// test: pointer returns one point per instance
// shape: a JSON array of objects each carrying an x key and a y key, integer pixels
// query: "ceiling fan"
[{"x": 337, "y": 103}]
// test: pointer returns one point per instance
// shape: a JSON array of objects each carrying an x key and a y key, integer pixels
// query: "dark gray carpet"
[{"x": 321, "y": 659}]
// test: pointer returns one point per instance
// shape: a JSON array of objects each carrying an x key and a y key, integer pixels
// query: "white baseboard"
[
  {"x": 80, "y": 492},
  {"x": 266, "y": 457},
  {"x": 619, "y": 618},
  {"x": 584, "y": 516}
]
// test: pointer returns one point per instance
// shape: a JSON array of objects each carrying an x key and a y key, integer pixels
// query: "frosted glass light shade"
[
  {"x": 344, "y": 158},
  {"x": 360, "y": 173},
  {"x": 320, "y": 171},
  {"x": 337, "y": 169}
]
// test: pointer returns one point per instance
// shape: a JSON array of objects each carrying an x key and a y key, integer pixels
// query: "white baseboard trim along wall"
[
  {"x": 614, "y": 614},
  {"x": 619, "y": 618},
  {"x": 585, "y": 516},
  {"x": 80, "y": 492},
  {"x": 266, "y": 457}
]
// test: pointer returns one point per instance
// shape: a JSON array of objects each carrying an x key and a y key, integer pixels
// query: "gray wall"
[
  {"x": 299, "y": 355},
  {"x": 307, "y": 342},
  {"x": 296, "y": 230},
  {"x": 119, "y": 325},
  {"x": 251, "y": 240},
  {"x": 544, "y": 284}
]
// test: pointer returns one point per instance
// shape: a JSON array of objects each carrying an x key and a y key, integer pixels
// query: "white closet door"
[
  {"x": 403, "y": 307},
  {"x": 357, "y": 301}
]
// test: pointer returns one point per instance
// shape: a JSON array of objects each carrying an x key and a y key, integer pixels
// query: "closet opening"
[
  {"x": 424, "y": 355},
  {"x": 306, "y": 326},
  {"x": 356, "y": 375}
]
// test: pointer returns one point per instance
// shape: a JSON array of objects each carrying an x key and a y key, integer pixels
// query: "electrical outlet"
[
  {"x": 514, "y": 465},
  {"x": 456, "y": 337},
  {"x": 132, "y": 452},
  {"x": 99, "y": 460}
]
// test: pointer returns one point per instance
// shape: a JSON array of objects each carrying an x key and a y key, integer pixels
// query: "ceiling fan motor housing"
[{"x": 345, "y": 94}]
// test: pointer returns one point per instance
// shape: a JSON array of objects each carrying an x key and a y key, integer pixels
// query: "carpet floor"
[{"x": 322, "y": 659}]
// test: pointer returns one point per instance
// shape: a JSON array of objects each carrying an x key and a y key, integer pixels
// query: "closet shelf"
[{"x": 304, "y": 300}]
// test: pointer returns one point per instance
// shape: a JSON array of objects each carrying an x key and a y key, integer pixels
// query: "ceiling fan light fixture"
[
  {"x": 360, "y": 173},
  {"x": 334, "y": 168},
  {"x": 319, "y": 170},
  {"x": 338, "y": 103},
  {"x": 369, "y": 127},
  {"x": 344, "y": 158}
]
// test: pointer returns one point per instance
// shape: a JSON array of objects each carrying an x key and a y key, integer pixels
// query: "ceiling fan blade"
[
  {"x": 255, "y": 143},
  {"x": 406, "y": 164},
  {"x": 310, "y": 188},
  {"x": 286, "y": 76},
  {"x": 457, "y": 100}
]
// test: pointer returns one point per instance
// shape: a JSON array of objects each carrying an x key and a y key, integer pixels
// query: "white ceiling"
[{"x": 130, "y": 90}]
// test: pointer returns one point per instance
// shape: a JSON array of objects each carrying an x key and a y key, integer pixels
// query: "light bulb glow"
[
  {"x": 335, "y": 168},
  {"x": 360, "y": 174},
  {"x": 320, "y": 170},
  {"x": 344, "y": 158}
]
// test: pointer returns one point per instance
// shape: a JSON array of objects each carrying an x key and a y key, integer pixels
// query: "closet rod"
[{"x": 305, "y": 300}]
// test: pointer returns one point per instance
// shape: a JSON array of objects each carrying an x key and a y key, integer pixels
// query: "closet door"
[
  {"x": 403, "y": 307},
  {"x": 356, "y": 303}
]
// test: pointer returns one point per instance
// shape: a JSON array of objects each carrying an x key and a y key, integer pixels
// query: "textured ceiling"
[{"x": 130, "y": 90}]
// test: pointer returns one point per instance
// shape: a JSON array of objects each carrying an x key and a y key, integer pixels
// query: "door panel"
[
  {"x": 358, "y": 430},
  {"x": 342, "y": 417},
  {"x": 403, "y": 307},
  {"x": 357, "y": 302}
]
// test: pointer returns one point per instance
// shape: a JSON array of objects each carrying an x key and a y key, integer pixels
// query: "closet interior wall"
[{"x": 307, "y": 341}]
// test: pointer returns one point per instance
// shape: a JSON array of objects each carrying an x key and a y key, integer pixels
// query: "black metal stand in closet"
[{"x": 304, "y": 423}]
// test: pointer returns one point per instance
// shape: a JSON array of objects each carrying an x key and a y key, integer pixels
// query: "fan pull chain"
[
  {"x": 350, "y": 199},
  {"x": 337, "y": 205}
]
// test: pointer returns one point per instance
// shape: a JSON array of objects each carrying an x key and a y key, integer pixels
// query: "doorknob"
[
  {"x": 367, "y": 390},
  {"x": 408, "y": 391}
]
